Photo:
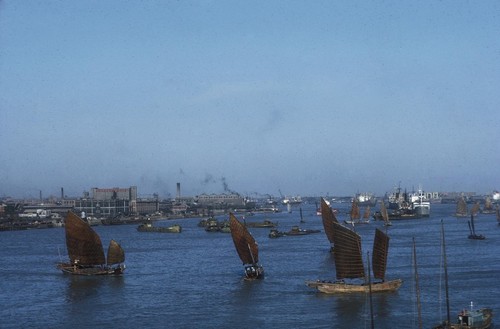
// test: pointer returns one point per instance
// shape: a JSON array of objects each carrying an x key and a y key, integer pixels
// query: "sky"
[{"x": 307, "y": 98}]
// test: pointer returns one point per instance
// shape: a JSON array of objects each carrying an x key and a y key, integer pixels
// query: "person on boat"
[{"x": 251, "y": 272}]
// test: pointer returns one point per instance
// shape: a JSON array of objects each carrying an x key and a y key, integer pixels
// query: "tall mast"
[
  {"x": 445, "y": 274},
  {"x": 417, "y": 289}
]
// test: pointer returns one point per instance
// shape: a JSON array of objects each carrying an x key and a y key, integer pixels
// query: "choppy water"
[{"x": 194, "y": 279}]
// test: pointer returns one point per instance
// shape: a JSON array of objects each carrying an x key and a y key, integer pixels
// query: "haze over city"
[{"x": 297, "y": 97}]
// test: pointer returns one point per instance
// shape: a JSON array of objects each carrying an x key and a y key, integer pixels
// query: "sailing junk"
[
  {"x": 461, "y": 208},
  {"x": 247, "y": 249},
  {"x": 349, "y": 264},
  {"x": 384, "y": 214},
  {"x": 86, "y": 253}
]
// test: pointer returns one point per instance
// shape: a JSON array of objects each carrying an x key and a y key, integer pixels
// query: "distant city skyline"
[
  {"x": 306, "y": 98},
  {"x": 52, "y": 193}
]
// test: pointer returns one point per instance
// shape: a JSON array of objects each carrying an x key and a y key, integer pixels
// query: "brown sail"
[
  {"x": 384, "y": 213},
  {"x": 328, "y": 217},
  {"x": 348, "y": 257},
  {"x": 461, "y": 208},
  {"x": 355, "y": 213},
  {"x": 488, "y": 205},
  {"x": 366, "y": 214},
  {"x": 379, "y": 255},
  {"x": 84, "y": 245},
  {"x": 243, "y": 241},
  {"x": 116, "y": 254},
  {"x": 475, "y": 208}
]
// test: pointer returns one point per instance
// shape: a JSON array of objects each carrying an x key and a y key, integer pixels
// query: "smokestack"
[
  {"x": 178, "y": 190},
  {"x": 62, "y": 193}
]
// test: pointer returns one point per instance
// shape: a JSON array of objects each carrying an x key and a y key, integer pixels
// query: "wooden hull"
[
  {"x": 91, "y": 271},
  {"x": 347, "y": 288}
]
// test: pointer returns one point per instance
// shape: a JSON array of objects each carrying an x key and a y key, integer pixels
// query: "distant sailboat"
[
  {"x": 355, "y": 214},
  {"x": 488, "y": 207},
  {"x": 475, "y": 209},
  {"x": 461, "y": 208},
  {"x": 247, "y": 249}
]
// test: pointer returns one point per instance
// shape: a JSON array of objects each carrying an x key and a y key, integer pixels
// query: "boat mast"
[
  {"x": 443, "y": 244},
  {"x": 251, "y": 254},
  {"x": 370, "y": 291},
  {"x": 417, "y": 289}
]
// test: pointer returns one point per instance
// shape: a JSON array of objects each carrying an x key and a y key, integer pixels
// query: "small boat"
[
  {"x": 349, "y": 265},
  {"x": 274, "y": 233},
  {"x": 294, "y": 231},
  {"x": 86, "y": 253},
  {"x": 461, "y": 208},
  {"x": 466, "y": 319},
  {"x": 212, "y": 225},
  {"x": 224, "y": 227},
  {"x": 472, "y": 230},
  {"x": 264, "y": 224},
  {"x": 247, "y": 249},
  {"x": 148, "y": 227},
  {"x": 470, "y": 319}
]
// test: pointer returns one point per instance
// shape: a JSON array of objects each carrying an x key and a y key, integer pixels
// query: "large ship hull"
[
  {"x": 347, "y": 288},
  {"x": 422, "y": 210}
]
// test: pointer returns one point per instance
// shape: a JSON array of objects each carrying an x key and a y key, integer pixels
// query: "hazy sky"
[{"x": 302, "y": 97}]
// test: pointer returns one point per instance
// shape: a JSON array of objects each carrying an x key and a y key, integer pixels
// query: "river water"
[{"x": 194, "y": 279}]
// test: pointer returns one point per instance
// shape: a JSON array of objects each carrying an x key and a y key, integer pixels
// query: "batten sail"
[
  {"x": 383, "y": 212},
  {"x": 116, "y": 254},
  {"x": 461, "y": 207},
  {"x": 355, "y": 212},
  {"x": 245, "y": 244},
  {"x": 328, "y": 217},
  {"x": 83, "y": 243},
  {"x": 348, "y": 257},
  {"x": 379, "y": 255}
]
